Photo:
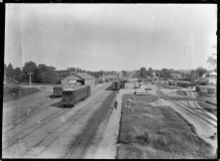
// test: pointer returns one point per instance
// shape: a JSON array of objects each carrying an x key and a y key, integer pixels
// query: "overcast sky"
[{"x": 111, "y": 36}]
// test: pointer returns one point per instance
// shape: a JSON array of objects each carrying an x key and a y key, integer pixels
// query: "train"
[
  {"x": 181, "y": 83},
  {"x": 118, "y": 84},
  {"x": 57, "y": 91},
  {"x": 71, "y": 96}
]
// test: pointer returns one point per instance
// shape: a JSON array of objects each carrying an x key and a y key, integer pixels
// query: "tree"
[
  {"x": 200, "y": 71},
  {"x": 212, "y": 60},
  {"x": 17, "y": 73},
  {"x": 46, "y": 74},
  {"x": 10, "y": 72},
  {"x": 71, "y": 69},
  {"x": 143, "y": 72},
  {"x": 150, "y": 72},
  {"x": 30, "y": 67},
  {"x": 5, "y": 69},
  {"x": 125, "y": 74},
  {"x": 165, "y": 73},
  {"x": 193, "y": 75}
]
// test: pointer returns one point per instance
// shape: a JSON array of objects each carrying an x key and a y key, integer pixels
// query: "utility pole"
[
  {"x": 159, "y": 87},
  {"x": 30, "y": 77}
]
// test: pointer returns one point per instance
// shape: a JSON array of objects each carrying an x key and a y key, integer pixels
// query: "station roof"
[{"x": 84, "y": 76}]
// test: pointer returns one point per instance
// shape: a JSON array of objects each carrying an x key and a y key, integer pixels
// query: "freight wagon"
[
  {"x": 116, "y": 85},
  {"x": 72, "y": 96},
  {"x": 57, "y": 91}
]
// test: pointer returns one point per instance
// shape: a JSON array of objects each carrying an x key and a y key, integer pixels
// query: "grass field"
[{"x": 157, "y": 132}]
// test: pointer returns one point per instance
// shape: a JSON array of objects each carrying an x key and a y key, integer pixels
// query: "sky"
[{"x": 111, "y": 36}]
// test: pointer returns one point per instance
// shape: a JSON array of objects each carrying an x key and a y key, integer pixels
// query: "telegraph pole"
[
  {"x": 30, "y": 77},
  {"x": 159, "y": 87}
]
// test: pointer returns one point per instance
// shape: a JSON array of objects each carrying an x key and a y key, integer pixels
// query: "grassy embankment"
[
  {"x": 14, "y": 92},
  {"x": 157, "y": 132}
]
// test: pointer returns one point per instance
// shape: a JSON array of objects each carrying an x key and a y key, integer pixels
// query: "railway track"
[
  {"x": 26, "y": 116},
  {"x": 14, "y": 139},
  {"x": 201, "y": 110},
  {"x": 40, "y": 109},
  {"x": 80, "y": 146},
  {"x": 26, "y": 132},
  {"x": 189, "y": 109},
  {"x": 65, "y": 126},
  {"x": 19, "y": 136}
]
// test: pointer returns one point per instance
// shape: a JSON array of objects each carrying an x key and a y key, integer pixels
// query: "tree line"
[
  {"x": 167, "y": 73},
  {"x": 43, "y": 74}
]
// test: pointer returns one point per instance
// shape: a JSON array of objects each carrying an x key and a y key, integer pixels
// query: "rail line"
[
  {"x": 13, "y": 140},
  {"x": 39, "y": 109},
  {"x": 81, "y": 145},
  {"x": 195, "y": 113},
  {"x": 23, "y": 118},
  {"x": 203, "y": 113},
  {"x": 34, "y": 127},
  {"x": 72, "y": 119},
  {"x": 32, "y": 107}
]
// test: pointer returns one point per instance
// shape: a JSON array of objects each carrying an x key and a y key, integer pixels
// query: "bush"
[{"x": 16, "y": 91}]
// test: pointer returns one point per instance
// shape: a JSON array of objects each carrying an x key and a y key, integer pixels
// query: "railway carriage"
[
  {"x": 57, "y": 91},
  {"x": 72, "y": 96},
  {"x": 116, "y": 85}
]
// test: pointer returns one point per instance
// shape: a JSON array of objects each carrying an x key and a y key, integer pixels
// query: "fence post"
[{"x": 13, "y": 94}]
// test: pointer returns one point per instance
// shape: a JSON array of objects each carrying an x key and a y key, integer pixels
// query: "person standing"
[{"x": 116, "y": 104}]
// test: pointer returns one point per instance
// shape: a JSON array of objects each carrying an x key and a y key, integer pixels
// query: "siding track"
[
  {"x": 80, "y": 146},
  {"x": 65, "y": 126},
  {"x": 192, "y": 110}
]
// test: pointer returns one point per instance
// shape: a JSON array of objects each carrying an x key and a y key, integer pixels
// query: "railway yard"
[{"x": 37, "y": 126}]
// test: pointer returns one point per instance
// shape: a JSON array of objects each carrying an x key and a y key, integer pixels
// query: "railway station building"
[{"x": 83, "y": 78}]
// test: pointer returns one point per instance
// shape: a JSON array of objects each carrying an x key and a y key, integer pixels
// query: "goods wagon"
[
  {"x": 57, "y": 91},
  {"x": 72, "y": 96},
  {"x": 116, "y": 85},
  {"x": 122, "y": 84},
  {"x": 206, "y": 89},
  {"x": 185, "y": 84}
]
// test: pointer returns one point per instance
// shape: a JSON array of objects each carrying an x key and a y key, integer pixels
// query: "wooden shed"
[{"x": 83, "y": 78}]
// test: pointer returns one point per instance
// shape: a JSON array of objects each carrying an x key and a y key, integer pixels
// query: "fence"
[{"x": 11, "y": 93}]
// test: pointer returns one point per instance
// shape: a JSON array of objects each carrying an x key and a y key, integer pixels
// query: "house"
[
  {"x": 83, "y": 78},
  {"x": 108, "y": 77},
  {"x": 210, "y": 78},
  {"x": 175, "y": 75}
]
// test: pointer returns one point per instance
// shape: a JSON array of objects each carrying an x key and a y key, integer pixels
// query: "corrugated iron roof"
[{"x": 84, "y": 76}]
